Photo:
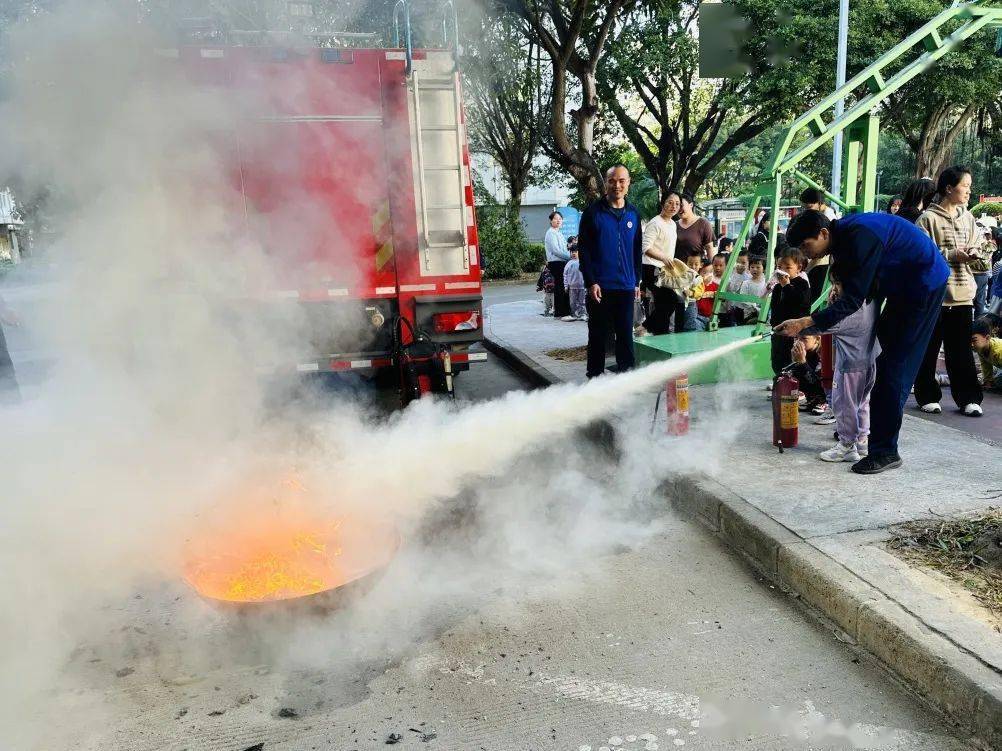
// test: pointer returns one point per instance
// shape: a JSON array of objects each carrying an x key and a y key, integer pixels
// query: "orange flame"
[{"x": 279, "y": 553}]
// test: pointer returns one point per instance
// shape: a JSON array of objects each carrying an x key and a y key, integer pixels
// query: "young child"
[
  {"x": 746, "y": 312},
  {"x": 856, "y": 350},
  {"x": 989, "y": 349},
  {"x": 806, "y": 368},
  {"x": 704, "y": 306},
  {"x": 696, "y": 262},
  {"x": 684, "y": 279},
  {"x": 546, "y": 285},
  {"x": 574, "y": 284},
  {"x": 738, "y": 275},
  {"x": 791, "y": 298}
]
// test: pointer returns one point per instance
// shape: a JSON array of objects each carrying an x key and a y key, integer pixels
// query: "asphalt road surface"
[{"x": 669, "y": 642}]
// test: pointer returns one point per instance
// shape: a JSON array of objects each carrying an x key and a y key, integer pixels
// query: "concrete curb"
[
  {"x": 951, "y": 679},
  {"x": 522, "y": 364}
]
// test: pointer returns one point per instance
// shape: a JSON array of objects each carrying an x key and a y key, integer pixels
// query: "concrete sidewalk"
[{"x": 819, "y": 530}]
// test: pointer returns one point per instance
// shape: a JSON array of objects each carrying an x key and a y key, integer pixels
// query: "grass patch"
[
  {"x": 569, "y": 354},
  {"x": 969, "y": 551}
]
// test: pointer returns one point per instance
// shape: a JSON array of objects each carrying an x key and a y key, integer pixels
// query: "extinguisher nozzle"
[{"x": 780, "y": 444}]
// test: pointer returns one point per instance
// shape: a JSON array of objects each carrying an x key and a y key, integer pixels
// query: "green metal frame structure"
[{"x": 908, "y": 59}]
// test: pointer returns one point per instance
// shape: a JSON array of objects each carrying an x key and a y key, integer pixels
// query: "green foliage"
[
  {"x": 992, "y": 209},
  {"x": 503, "y": 247},
  {"x": 644, "y": 192},
  {"x": 533, "y": 257}
]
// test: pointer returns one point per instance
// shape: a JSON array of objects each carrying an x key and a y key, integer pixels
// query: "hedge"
[
  {"x": 505, "y": 254},
  {"x": 992, "y": 209}
]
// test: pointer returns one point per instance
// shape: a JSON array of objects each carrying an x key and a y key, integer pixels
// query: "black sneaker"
[{"x": 874, "y": 465}]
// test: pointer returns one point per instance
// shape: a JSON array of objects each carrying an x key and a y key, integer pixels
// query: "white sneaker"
[
  {"x": 840, "y": 453},
  {"x": 825, "y": 418},
  {"x": 568, "y": 318},
  {"x": 973, "y": 410},
  {"x": 863, "y": 448},
  {"x": 931, "y": 408},
  {"x": 802, "y": 400}
]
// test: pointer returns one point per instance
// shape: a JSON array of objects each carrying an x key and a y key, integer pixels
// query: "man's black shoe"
[{"x": 874, "y": 465}]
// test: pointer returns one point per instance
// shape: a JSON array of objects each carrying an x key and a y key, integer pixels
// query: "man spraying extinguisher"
[{"x": 910, "y": 275}]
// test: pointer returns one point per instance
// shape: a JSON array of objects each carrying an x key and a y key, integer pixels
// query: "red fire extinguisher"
[
  {"x": 677, "y": 401},
  {"x": 785, "y": 411}
]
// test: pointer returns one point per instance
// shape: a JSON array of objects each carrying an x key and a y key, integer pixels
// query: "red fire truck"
[{"x": 354, "y": 165}]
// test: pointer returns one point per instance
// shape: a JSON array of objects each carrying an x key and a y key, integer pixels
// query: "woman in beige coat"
[{"x": 952, "y": 227}]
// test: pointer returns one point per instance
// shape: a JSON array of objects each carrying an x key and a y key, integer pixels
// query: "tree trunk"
[
  {"x": 936, "y": 141},
  {"x": 516, "y": 187}
]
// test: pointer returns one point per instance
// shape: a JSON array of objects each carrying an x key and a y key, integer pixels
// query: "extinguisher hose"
[{"x": 657, "y": 406}]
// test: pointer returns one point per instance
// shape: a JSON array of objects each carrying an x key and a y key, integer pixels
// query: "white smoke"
[{"x": 154, "y": 411}]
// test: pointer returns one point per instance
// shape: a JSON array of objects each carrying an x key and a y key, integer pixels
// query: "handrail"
[{"x": 975, "y": 16}]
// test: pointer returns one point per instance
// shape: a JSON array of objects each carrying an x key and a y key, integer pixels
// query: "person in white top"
[
  {"x": 557, "y": 257},
  {"x": 660, "y": 236}
]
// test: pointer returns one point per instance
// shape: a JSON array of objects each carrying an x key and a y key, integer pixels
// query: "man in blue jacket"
[
  {"x": 883, "y": 258},
  {"x": 609, "y": 249}
]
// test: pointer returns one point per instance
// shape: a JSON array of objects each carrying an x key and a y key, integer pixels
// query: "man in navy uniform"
[
  {"x": 889, "y": 260},
  {"x": 609, "y": 249}
]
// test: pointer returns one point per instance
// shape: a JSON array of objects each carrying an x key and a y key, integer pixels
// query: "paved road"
[
  {"x": 668, "y": 643},
  {"x": 646, "y": 645}
]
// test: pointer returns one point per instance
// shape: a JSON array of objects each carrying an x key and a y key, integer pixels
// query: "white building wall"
[{"x": 537, "y": 201}]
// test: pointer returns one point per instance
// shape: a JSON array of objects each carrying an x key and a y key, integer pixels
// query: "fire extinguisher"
[
  {"x": 785, "y": 410},
  {"x": 677, "y": 403}
]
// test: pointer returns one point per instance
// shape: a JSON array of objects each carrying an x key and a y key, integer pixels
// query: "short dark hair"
[
  {"x": 806, "y": 225},
  {"x": 687, "y": 196},
  {"x": 792, "y": 253},
  {"x": 694, "y": 252},
  {"x": 983, "y": 327},
  {"x": 743, "y": 252},
  {"x": 950, "y": 178},
  {"x": 812, "y": 195},
  {"x": 756, "y": 259},
  {"x": 555, "y": 213}
]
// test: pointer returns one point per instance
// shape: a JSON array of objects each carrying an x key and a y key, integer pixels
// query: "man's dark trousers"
[
  {"x": 615, "y": 310},
  {"x": 903, "y": 330}
]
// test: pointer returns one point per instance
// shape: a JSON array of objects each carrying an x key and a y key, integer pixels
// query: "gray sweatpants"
[
  {"x": 577, "y": 301},
  {"x": 851, "y": 403}
]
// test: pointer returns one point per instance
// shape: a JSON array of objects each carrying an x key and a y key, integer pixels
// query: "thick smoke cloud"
[{"x": 154, "y": 413}]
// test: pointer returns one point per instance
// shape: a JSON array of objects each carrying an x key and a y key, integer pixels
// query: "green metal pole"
[
  {"x": 850, "y": 170},
  {"x": 869, "y": 130},
  {"x": 770, "y": 258},
  {"x": 837, "y": 200}
]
